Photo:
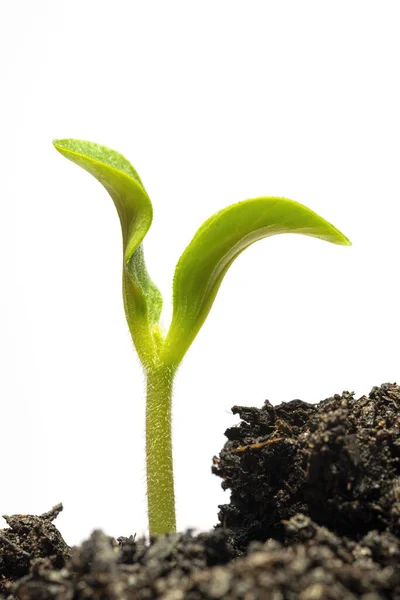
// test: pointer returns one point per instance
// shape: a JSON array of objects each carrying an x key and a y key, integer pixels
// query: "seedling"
[{"x": 198, "y": 275}]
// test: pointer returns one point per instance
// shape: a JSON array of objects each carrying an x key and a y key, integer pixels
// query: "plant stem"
[{"x": 159, "y": 465}]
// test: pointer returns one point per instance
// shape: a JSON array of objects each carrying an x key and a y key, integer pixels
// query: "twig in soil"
[
  {"x": 14, "y": 546},
  {"x": 258, "y": 445}
]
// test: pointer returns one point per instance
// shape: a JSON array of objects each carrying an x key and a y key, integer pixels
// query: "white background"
[{"x": 213, "y": 102}]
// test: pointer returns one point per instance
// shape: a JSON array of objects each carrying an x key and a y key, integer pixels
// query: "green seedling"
[{"x": 198, "y": 276}]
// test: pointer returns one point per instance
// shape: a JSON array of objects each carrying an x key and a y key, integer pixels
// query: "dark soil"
[{"x": 314, "y": 515}]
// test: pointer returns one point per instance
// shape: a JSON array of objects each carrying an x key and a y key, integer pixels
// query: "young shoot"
[{"x": 198, "y": 276}]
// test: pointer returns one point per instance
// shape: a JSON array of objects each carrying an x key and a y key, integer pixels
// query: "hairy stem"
[{"x": 159, "y": 465}]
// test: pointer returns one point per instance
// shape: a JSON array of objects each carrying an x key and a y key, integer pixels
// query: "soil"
[{"x": 314, "y": 515}]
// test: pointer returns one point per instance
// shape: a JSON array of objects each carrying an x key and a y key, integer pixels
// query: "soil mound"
[
  {"x": 314, "y": 515},
  {"x": 337, "y": 462}
]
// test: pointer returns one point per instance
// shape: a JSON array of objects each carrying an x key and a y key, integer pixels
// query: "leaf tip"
[
  {"x": 59, "y": 143},
  {"x": 341, "y": 239},
  {"x": 344, "y": 240}
]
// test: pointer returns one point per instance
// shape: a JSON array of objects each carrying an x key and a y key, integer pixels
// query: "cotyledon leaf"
[
  {"x": 202, "y": 266},
  {"x": 142, "y": 299}
]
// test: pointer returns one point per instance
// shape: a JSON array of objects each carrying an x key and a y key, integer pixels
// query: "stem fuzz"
[{"x": 159, "y": 464}]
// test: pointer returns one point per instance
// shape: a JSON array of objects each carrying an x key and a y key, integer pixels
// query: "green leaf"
[
  {"x": 202, "y": 266},
  {"x": 142, "y": 299}
]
